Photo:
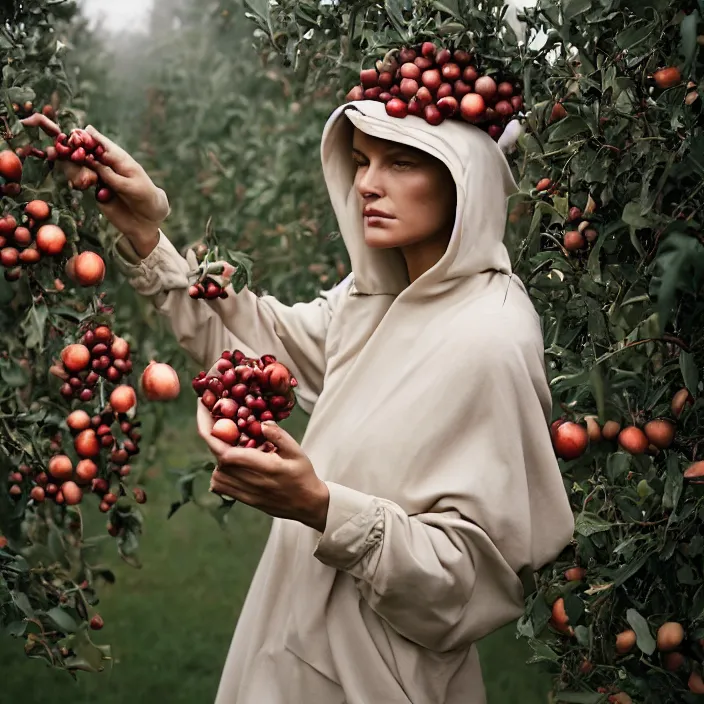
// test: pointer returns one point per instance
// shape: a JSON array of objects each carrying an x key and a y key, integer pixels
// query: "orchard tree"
[
  {"x": 607, "y": 234},
  {"x": 68, "y": 402}
]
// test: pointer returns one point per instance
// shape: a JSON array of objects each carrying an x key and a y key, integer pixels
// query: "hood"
[{"x": 482, "y": 177}]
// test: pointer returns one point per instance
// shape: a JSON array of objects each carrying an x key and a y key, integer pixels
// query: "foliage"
[
  {"x": 48, "y": 572},
  {"x": 622, "y": 313}
]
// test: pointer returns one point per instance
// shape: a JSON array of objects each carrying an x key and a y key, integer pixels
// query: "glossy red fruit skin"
[{"x": 10, "y": 166}]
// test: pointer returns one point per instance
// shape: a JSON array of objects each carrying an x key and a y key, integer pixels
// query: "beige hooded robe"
[{"x": 430, "y": 411}]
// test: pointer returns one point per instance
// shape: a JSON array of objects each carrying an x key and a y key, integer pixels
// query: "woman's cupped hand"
[{"x": 282, "y": 483}]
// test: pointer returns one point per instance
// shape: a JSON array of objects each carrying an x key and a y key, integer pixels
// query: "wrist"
[
  {"x": 319, "y": 514},
  {"x": 144, "y": 241}
]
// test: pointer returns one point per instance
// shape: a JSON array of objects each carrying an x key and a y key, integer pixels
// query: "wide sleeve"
[
  {"x": 258, "y": 325},
  {"x": 447, "y": 577}
]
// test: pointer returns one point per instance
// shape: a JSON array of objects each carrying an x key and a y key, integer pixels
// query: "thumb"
[{"x": 287, "y": 445}]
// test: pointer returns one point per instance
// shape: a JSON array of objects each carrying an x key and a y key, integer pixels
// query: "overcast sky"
[{"x": 118, "y": 14}]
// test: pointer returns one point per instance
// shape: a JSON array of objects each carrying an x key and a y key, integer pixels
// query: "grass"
[{"x": 170, "y": 623}]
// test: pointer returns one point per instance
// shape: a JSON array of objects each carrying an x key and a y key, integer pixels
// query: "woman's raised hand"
[{"x": 139, "y": 206}]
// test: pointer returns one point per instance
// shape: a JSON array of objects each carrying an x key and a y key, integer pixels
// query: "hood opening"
[{"x": 483, "y": 183}]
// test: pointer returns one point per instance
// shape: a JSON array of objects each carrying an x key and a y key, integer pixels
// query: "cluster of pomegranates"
[
  {"x": 571, "y": 439},
  {"x": 241, "y": 393},
  {"x": 670, "y": 640},
  {"x": 582, "y": 233},
  {"x": 437, "y": 84},
  {"x": 207, "y": 289},
  {"x": 24, "y": 243},
  {"x": 99, "y": 354}
]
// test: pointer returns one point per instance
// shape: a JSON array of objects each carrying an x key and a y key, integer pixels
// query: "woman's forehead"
[{"x": 366, "y": 142}]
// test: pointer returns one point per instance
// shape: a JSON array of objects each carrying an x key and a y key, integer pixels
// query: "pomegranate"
[
  {"x": 451, "y": 71},
  {"x": 409, "y": 87},
  {"x": 87, "y": 443},
  {"x": 123, "y": 398},
  {"x": 72, "y": 493},
  {"x": 431, "y": 79},
  {"x": 664, "y": 78},
  {"x": 410, "y": 70},
  {"x": 96, "y": 623},
  {"x": 543, "y": 185},
  {"x": 593, "y": 428},
  {"x": 357, "y": 93},
  {"x": 695, "y": 683},
  {"x": 38, "y": 494},
  {"x": 105, "y": 195},
  {"x": 574, "y": 214},
  {"x": 573, "y": 241},
  {"x": 369, "y": 78},
  {"x": 50, "y": 239},
  {"x": 575, "y": 574},
  {"x": 386, "y": 80},
  {"x": 625, "y": 642},
  {"x": 160, "y": 382},
  {"x": 22, "y": 236},
  {"x": 448, "y": 106},
  {"x": 472, "y": 106},
  {"x": 674, "y": 662},
  {"x": 462, "y": 57},
  {"x": 140, "y": 496},
  {"x": 406, "y": 54},
  {"x": 86, "y": 471},
  {"x": 75, "y": 357},
  {"x": 428, "y": 50},
  {"x": 570, "y": 440},
  {"x": 558, "y": 113},
  {"x": 559, "y": 619},
  {"x": 611, "y": 430},
  {"x": 103, "y": 334},
  {"x": 226, "y": 430},
  {"x": 38, "y": 209},
  {"x": 660, "y": 432},
  {"x": 633, "y": 440},
  {"x": 8, "y": 224},
  {"x": 695, "y": 471},
  {"x": 470, "y": 74},
  {"x": 78, "y": 420},
  {"x": 443, "y": 57},
  {"x": 461, "y": 89},
  {"x": 226, "y": 407},
  {"x": 486, "y": 87},
  {"x": 9, "y": 256},
  {"x": 10, "y": 166},
  {"x": 670, "y": 636},
  {"x": 88, "y": 269},
  {"x": 505, "y": 90},
  {"x": 681, "y": 399},
  {"x": 60, "y": 467}
]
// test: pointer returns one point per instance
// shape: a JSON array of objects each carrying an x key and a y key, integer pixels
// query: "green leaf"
[
  {"x": 688, "y": 39},
  {"x": 587, "y": 524},
  {"x": 12, "y": 374},
  {"x": 633, "y": 216},
  {"x": 568, "y": 128},
  {"x": 572, "y": 8},
  {"x": 633, "y": 35},
  {"x": 624, "y": 573},
  {"x": 542, "y": 652},
  {"x": 690, "y": 373},
  {"x": 64, "y": 621},
  {"x": 394, "y": 10},
  {"x": 34, "y": 325},
  {"x": 644, "y": 638},
  {"x": 674, "y": 481}
]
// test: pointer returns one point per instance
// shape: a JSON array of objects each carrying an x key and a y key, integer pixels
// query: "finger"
[
  {"x": 111, "y": 179},
  {"x": 249, "y": 458},
  {"x": 219, "y": 486},
  {"x": 113, "y": 153},
  {"x": 287, "y": 445},
  {"x": 43, "y": 122}
]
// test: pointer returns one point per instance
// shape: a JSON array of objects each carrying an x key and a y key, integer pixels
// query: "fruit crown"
[{"x": 438, "y": 84}]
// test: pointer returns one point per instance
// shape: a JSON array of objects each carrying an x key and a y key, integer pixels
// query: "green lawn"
[{"x": 170, "y": 623}]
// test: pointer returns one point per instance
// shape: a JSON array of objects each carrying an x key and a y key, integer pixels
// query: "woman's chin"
[{"x": 380, "y": 238}]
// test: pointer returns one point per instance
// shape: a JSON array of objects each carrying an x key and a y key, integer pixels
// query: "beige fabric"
[{"x": 429, "y": 421}]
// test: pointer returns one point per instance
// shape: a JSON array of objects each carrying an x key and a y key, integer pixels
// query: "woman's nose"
[{"x": 369, "y": 181}]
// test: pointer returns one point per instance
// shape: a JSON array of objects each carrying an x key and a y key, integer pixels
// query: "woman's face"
[{"x": 406, "y": 195}]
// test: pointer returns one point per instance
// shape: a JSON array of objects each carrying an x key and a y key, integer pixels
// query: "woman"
[{"x": 426, "y": 491}]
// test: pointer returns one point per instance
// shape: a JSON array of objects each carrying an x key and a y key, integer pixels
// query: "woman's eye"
[{"x": 403, "y": 164}]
